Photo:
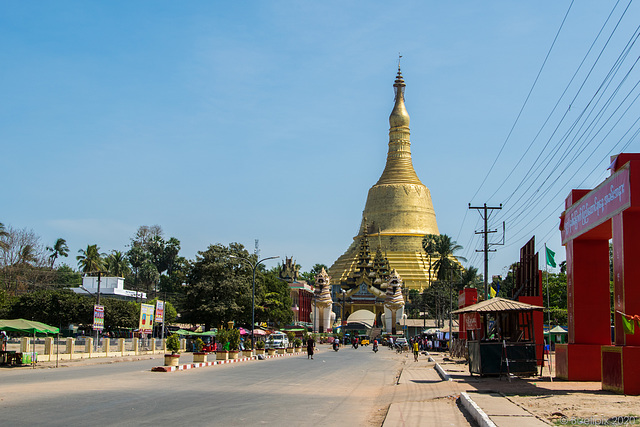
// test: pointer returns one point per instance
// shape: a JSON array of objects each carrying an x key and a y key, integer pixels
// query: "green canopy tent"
[
  {"x": 184, "y": 332},
  {"x": 30, "y": 327}
]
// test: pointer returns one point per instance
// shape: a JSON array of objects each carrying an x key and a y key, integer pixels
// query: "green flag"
[
  {"x": 628, "y": 325},
  {"x": 551, "y": 257}
]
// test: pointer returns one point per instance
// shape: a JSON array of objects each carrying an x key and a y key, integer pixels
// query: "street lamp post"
[
  {"x": 344, "y": 322},
  {"x": 253, "y": 266}
]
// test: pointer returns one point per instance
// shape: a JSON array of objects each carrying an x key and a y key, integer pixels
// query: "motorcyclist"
[
  {"x": 336, "y": 344},
  {"x": 375, "y": 346}
]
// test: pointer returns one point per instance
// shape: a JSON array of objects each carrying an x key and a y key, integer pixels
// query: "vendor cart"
[{"x": 505, "y": 342}]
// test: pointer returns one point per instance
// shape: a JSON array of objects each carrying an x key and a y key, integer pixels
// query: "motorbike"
[{"x": 336, "y": 346}]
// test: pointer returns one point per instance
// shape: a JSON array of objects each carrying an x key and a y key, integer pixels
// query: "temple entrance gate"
[{"x": 591, "y": 218}]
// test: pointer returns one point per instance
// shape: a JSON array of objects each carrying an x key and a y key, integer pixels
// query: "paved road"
[{"x": 350, "y": 387}]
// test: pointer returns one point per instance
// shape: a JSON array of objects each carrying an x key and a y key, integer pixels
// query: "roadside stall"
[
  {"x": 557, "y": 335},
  {"x": 25, "y": 327},
  {"x": 505, "y": 341}
]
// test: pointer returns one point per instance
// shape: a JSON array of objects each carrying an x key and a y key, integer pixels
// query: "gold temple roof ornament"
[{"x": 398, "y": 209}]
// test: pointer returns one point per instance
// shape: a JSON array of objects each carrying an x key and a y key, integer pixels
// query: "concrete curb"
[
  {"x": 476, "y": 413},
  {"x": 443, "y": 374},
  {"x": 216, "y": 362}
]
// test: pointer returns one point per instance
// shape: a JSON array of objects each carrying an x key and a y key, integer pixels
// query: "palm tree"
[
  {"x": 429, "y": 246},
  {"x": 117, "y": 264},
  {"x": 60, "y": 248},
  {"x": 3, "y": 234},
  {"x": 446, "y": 263},
  {"x": 470, "y": 278},
  {"x": 90, "y": 260},
  {"x": 27, "y": 255}
]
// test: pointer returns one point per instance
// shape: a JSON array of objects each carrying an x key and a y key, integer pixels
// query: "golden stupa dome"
[
  {"x": 399, "y": 116},
  {"x": 398, "y": 211}
]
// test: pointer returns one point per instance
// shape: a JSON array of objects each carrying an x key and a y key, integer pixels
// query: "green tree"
[
  {"x": 65, "y": 275},
  {"x": 273, "y": 301},
  {"x": 117, "y": 264},
  {"x": 446, "y": 264},
  {"x": 59, "y": 249},
  {"x": 149, "y": 276},
  {"x": 54, "y": 307},
  {"x": 90, "y": 260},
  {"x": 4, "y": 245},
  {"x": 470, "y": 278},
  {"x": 170, "y": 312},
  {"x": 137, "y": 257},
  {"x": 120, "y": 313},
  {"x": 310, "y": 276},
  {"x": 219, "y": 287},
  {"x": 28, "y": 254}
]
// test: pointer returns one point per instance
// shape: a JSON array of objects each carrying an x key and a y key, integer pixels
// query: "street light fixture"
[
  {"x": 253, "y": 266},
  {"x": 344, "y": 320}
]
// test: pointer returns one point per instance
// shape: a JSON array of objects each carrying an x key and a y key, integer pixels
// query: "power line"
[{"x": 525, "y": 101}]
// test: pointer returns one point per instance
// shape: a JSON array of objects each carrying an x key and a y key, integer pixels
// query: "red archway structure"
[{"x": 591, "y": 218}]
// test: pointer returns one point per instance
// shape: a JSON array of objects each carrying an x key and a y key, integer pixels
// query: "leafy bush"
[
  {"x": 260, "y": 345},
  {"x": 291, "y": 336},
  {"x": 173, "y": 343},
  {"x": 297, "y": 342},
  {"x": 199, "y": 344},
  {"x": 222, "y": 337},
  {"x": 234, "y": 339}
]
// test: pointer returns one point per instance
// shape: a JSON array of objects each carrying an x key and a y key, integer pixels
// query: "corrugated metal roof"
[{"x": 494, "y": 305}]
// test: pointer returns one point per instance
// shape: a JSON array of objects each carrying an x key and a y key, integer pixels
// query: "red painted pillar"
[
  {"x": 588, "y": 308},
  {"x": 588, "y": 304},
  {"x": 626, "y": 269},
  {"x": 620, "y": 369}
]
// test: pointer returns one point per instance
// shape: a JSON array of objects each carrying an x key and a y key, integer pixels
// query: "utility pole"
[{"x": 484, "y": 214}]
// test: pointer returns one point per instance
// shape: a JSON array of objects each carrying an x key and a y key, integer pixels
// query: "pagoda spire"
[{"x": 399, "y": 167}]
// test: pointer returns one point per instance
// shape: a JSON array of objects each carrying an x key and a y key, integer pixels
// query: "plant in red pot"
[{"x": 173, "y": 345}]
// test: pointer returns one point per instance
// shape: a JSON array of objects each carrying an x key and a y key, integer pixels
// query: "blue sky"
[{"x": 229, "y": 122}]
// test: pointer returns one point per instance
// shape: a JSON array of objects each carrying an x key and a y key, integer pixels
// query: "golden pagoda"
[{"x": 398, "y": 213}]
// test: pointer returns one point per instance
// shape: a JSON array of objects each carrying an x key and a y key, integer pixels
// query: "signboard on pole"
[
  {"x": 98, "y": 317},
  {"x": 159, "y": 311},
  {"x": 146, "y": 318}
]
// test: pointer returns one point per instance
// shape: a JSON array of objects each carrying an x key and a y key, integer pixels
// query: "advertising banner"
[
  {"x": 601, "y": 204},
  {"x": 146, "y": 318},
  {"x": 159, "y": 311},
  {"x": 98, "y": 317}
]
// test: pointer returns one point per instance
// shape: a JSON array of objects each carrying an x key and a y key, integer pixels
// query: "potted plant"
[
  {"x": 259, "y": 347},
  {"x": 233, "y": 335},
  {"x": 199, "y": 356},
  {"x": 290, "y": 337},
  {"x": 247, "y": 351},
  {"x": 222, "y": 337},
  {"x": 271, "y": 350},
  {"x": 173, "y": 345},
  {"x": 297, "y": 343}
]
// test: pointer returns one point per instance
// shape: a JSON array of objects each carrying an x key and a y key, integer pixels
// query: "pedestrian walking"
[
  {"x": 416, "y": 351},
  {"x": 311, "y": 343}
]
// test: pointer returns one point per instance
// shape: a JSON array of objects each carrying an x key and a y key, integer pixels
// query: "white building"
[{"x": 112, "y": 287}]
